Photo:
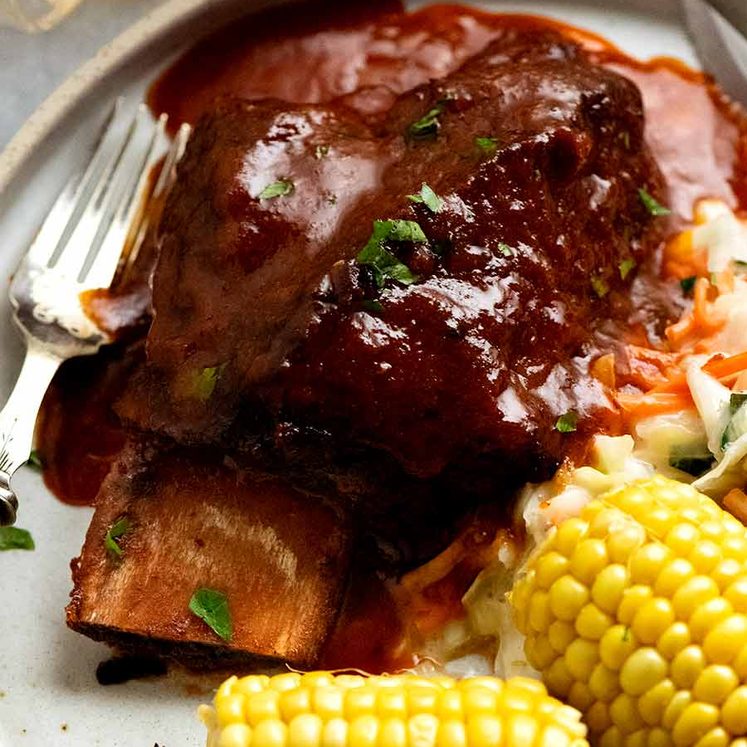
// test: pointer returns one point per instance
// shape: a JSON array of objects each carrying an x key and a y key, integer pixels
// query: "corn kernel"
[
  {"x": 652, "y": 619},
  {"x": 705, "y": 556},
  {"x": 569, "y": 534},
  {"x": 653, "y": 703},
  {"x": 608, "y": 588},
  {"x": 675, "y": 708},
  {"x": 693, "y": 593},
  {"x": 567, "y": 597},
  {"x": 450, "y": 734},
  {"x": 328, "y": 702},
  {"x": 642, "y": 670},
  {"x": 624, "y": 714},
  {"x": 726, "y": 639},
  {"x": 230, "y": 709},
  {"x": 592, "y": 623},
  {"x": 359, "y": 702},
  {"x": 363, "y": 731},
  {"x": 305, "y": 730},
  {"x": 484, "y": 731},
  {"x": 616, "y": 645},
  {"x": 285, "y": 681},
  {"x": 236, "y": 735},
  {"x": 647, "y": 563},
  {"x": 335, "y": 734},
  {"x": 550, "y": 568},
  {"x": 588, "y": 559},
  {"x": 634, "y": 597},
  {"x": 450, "y": 706},
  {"x": 624, "y": 542},
  {"x": 560, "y": 635},
  {"x": 270, "y": 733},
  {"x": 581, "y": 657},
  {"x": 714, "y": 738},
  {"x": 262, "y": 706},
  {"x": 540, "y": 614},
  {"x": 673, "y": 576},
  {"x": 294, "y": 702},
  {"x": 521, "y": 730},
  {"x": 687, "y": 666},
  {"x": 694, "y": 723},
  {"x": 715, "y": 684},
  {"x": 708, "y": 616},
  {"x": 673, "y": 640},
  {"x": 734, "y": 712},
  {"x": 604, "y": 684},
  {"x": 392, "y": 703}
]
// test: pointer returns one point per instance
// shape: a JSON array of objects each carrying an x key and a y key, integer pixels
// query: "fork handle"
[{"x": 17, "y": 421}]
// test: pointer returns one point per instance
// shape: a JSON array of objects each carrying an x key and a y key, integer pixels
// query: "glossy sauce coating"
[{"x": 379, "y": 52}]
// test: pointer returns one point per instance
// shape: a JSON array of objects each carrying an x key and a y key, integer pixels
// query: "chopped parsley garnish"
[
  {"x": 567, "y": 423},
  {"x": 35, "y": 461},
  {"x": 211, "y": 606},
  {"x": 205, "y": 381},
  {"x": 372, "y": 306},
  {"x": 322, "y": 151},
  {"x": 116, "y": 532},
  {"x": 505, "y": 250},
  {"x": 15, "y": 538},
  {"x": 687, "y": 284},
  {"x": 427, "y": 197},
  {"x": 600, "y": 286},
  {"x": 654, "y": 207},
  {"x": 488, "y": 145},
  {"x": 428, "y": 125},
  {"x": 281, "y": 188},
  {"x": 626, "y": 267},
  {"x": 384, "y": 265}
]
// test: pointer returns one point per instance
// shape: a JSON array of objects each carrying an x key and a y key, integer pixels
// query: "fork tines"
[{"x": 100, "y": 211}]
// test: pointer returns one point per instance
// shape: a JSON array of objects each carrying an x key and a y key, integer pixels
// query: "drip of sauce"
[{"x": 371, "y": 52}]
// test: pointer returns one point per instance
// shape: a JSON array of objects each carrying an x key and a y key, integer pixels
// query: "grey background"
[{"x": 33, "y": 65}]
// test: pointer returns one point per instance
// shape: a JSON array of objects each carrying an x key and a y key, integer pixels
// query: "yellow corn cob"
[
  {"x": 319, "y": 709},
  {"x": 636, "y": 614}
]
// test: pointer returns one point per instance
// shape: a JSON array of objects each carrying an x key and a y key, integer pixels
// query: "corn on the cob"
[
  {"x": 319, "y": 709},
  {"x": 636, "y": 614}
]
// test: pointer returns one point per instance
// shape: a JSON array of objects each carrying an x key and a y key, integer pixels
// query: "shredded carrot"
[
  {"x": 603, "y": 370},
  {"x": 735, "y": 502},
  {"x": 653, "y": 403}
]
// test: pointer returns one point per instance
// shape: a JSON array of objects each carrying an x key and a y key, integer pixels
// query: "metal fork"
[{"x": 92, "y": 229}]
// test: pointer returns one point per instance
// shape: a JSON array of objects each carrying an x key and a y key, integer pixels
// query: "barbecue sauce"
[{"x": 370, "y": 53}]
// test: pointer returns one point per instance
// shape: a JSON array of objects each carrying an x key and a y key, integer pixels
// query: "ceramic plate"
[{"x": 48, "y": 692}]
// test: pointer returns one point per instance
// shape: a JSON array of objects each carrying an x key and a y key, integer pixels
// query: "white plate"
[{"x": 48, "y": 693}]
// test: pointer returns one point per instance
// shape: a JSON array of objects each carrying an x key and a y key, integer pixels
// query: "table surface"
[{"x": 33, "y": 65}]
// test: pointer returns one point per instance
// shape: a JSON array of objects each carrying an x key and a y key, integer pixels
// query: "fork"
[{"x": 91, "y": 233}]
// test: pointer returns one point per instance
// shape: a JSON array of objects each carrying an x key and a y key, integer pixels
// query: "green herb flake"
[
  {"x": 654, "y": 208},
  {"x": 687, "y": 284},
  {"x": 427, "y": 197},
  {"x": 427, "y": 126},
  {"x": 372, "y": 306},
  {"x": 206, "y": 380},
  {"x": 506, "y": 250},
  {"x": 211, "y": 607},
  {"x": 567, "y": 423},
  {"x": 384, "y": 265},
  {"x": 35, "y": 461},
  {"x": 626, "y": 267},
  {"x": 488, "y": 145},
  {"x": 600, "y": 286},
  {"x": 322, "y": 151},
  {"x": 736, "y": 400},
  {"x": 282, "y": 188},
  {"x": 115, "y": 532},
  {"x": 15, "y": 538}
]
